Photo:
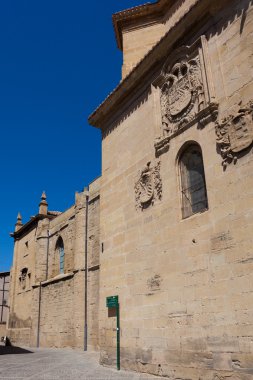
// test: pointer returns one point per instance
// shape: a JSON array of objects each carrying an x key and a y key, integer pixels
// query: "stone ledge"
[
  {"x": 18, "y": 328},
  {"x": 24, "y": 291},
  {"x": 57, "y": 278},
  {"x": 94, "y": 268},
  {"x": 203, "y": 117}
]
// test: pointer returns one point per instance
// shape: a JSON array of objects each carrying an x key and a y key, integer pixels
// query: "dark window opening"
[
  {"x": 60, "y": 249},
  {"x": 194, "y": 194}
]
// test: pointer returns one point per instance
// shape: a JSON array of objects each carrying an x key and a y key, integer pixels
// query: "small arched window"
[
  {"x": 193, "y": 184},
  {"x": 60, "y": 252}
]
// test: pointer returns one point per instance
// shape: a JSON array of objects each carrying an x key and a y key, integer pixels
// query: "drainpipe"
[
  {"x": 86, "y": 273},
  {"x": 39, "y": 308},
  {"x": 38, "y": 327},
  {"x": 48, "y": 235}
]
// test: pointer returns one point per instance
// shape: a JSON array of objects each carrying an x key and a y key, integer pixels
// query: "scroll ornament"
[
  {"x": 148, "y": 187},
  {"x": 235, "y": 133}
]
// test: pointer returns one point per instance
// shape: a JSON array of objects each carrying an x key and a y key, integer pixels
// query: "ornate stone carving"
[
  {"x": 148, "y": 187},
  {"x": 154, "y": 283},
  {"x": 186, "y": 92},
  {"x": 235, "y": 133},
  {"x": 23, "y": 277},
  {"x": 179, "y": 93}
]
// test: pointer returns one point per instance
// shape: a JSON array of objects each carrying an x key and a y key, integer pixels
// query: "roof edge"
[
  {"x": 143, "y": 66},
  {"x": 124, "y": 17},
  {"x": 30, "y": 224}
]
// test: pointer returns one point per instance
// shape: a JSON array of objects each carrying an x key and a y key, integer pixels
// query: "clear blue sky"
[{"x": 59, "y": 60}]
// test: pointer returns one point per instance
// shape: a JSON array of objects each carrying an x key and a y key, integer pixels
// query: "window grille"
[
  {"x": 61, "y": 250},
  {"x": 194, "y": 194}
]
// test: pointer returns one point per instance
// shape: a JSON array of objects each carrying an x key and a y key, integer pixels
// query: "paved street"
[{"x": 54, "y": 364}]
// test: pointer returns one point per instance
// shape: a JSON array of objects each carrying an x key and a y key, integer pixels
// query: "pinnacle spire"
[
  {"x": 43, "y": 204},
  {"x": 19, "y": 223},
  {"x": 43, "y": 196}
]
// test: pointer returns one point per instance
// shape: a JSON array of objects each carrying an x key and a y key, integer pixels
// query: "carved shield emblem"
[
  {"x": 145, "y": 185},
  {"x": 148, "y": 187},
  {"x": 241, "y": 133},
  {"x": 235, "y": 133},
  {"x": 180, "y": 96},
  {"x": 179, "y": 92}
]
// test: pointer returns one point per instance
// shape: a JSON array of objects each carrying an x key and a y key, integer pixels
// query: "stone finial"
[
  {"x": 43, "y": 204},
  {"x": 19, "y": 223},
  {"x": 43, "y": 195}
]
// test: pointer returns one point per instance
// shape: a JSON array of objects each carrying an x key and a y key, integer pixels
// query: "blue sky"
[{"x": 59, "y": 60}]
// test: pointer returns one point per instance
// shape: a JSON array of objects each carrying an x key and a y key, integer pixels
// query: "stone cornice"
[
  {"x": 27, "y": 227},
  {"x": 152, "y": 59},
  {"x": 132, "y": 15},
  {"x": 59, "y": 277}
]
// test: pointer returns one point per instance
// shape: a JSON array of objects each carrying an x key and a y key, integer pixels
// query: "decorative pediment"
[
  {"x": 186, "y": 92},
  {"x": 235, "y": 133}
]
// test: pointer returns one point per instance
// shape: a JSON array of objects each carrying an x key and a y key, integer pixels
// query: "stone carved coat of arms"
[
  {"x": 186, "y": 92},
  {"x": 182, "y": 88},
  {"x": 235, "y": 133},
  {"x": 148, "y": 186}
]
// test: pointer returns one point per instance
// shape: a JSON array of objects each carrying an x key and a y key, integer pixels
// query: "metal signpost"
[{"x": 113, "y": 302}]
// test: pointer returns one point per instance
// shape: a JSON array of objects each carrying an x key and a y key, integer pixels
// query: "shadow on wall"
[{"x": 235, "y": 10}]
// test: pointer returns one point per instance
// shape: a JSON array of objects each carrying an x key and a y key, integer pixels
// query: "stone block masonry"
[
  {"x": 180, "y": 262},
  {"x": 48, "y": 288}
]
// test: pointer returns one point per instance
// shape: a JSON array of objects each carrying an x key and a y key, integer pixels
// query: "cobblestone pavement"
[{"x": 56, "y": 364}]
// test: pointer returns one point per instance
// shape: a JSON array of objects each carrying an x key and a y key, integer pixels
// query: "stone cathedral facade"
[{"x": 174, "y": 235}]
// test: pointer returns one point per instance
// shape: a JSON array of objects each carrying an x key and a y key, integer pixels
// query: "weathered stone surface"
[
  {"x": 53, "y": 314},
  {"x": 184, "y": 285}
]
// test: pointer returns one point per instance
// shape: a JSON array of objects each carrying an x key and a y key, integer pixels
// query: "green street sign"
[{"x": 112, "y": 301}]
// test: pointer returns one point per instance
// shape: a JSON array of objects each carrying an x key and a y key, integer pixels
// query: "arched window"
[
  {"x": 193, "y": 184},
  {"x": 60, "y": 252}
]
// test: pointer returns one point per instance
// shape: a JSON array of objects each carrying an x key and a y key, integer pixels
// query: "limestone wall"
[
  {"x": 137, "y": 42},
  {"x": 20, "y": 322},
  {"x": 94, "y": 251},
  {"x": 56, "y": 314},
  {"x": 140, "y": 36},
  {"x": 2, "y": 329},
  {"x": 184, "y": 285},
  {"x": 55, "y": 307},
  {"x": 64, "y": 227}
]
